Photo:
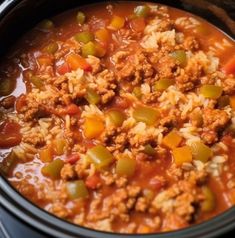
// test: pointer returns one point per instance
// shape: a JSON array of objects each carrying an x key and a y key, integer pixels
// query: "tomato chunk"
[
  {"x": 63, "y": 68},
  {"x": 20, "y": 102},
  {"x": 72, "y": 159},
  {"x": 93, "y": 181},
  {"x": 72, "y": 109},
  {"x": 75, "y": 61},
  {"x": 9, "y": 134},
  {"x": 229, "y": 67}
]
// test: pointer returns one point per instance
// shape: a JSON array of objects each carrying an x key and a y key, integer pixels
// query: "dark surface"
[
  {"x": 17, "y": 16},
  {"x": 14, "y": 228},
  {"x": 11, "y": 227},
  {"x": 19, "y": 19}
]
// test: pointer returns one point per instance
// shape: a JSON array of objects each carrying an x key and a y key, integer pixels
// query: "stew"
[{"x": 121, "y": 117}]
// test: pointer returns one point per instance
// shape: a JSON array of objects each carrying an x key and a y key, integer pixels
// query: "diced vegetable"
[
  {"x": 180, "y": 57},
  {"x": 81, "y": 17},
  {"x": 209, "y": 203},
  {"x": 59, "y": 146},
  {"x": 137, "y": 92},
  {"x": 116, "y": 117},
  {"x": 77, "y": 189},
  {"x": 142, "y": 11},
  {"x": 36, "y": 81},
  {"x": 72, "y": 109},
  {"x": 93, "y": 181},
  {"x": 8, "y": 163},
  {"x": 46, "y": 25},
  {"x": 200, "y": 151},
  {"x": 211, "y": 91},
  {"x": 45, "y": 154},
  {"x": 137, "y": 24},
  {"x": 163, "y": 84},
  {"x": 75, "y": 61},
  {"x": 84, "y": 37},
  {"x": 229, "y": 67},
  {"x": 44, "y": 60},
  {"x": 182, "y": 154},
  {"x": 102, "y": 35},
  {"x": 223, "y": 101},
  {"x": 172, "y": 140},
  {"x": 232, "y": 102},
  {"x": 196, "y": 118},
  {"x": 117, "y": 23},
  {"x": 92, "y": 96},
  {"x": 125, "y": 166},
  {"x": 73, "y": 158},
  {"x": 7, "y": 86},
  {"x": 93, "y": 127},
  {"x": 88, "y": 49},
  {"x": 63, "y": 68},
  {"x": 121, "y": 102},
  {"x": 149, "y": 150},
  {"x": 100, "y": 156},
  {"x": 144, "y": 229},
  {"x": 53, "y": 169},
  {"x": 146, "y": 114},
  {"x": 51, "y": 48},
  {"x": 100, "y": 51}
]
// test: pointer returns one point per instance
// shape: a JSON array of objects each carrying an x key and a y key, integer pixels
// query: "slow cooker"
[{"x": 19, "y": 217}]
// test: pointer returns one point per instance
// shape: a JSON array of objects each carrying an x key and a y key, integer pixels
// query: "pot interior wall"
[{"x": 14, "y": 21}]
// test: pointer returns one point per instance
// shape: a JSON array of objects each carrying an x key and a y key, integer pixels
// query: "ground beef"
[
  {"x": 209, "y": 136},
  {"x": 35, "y": 139},
  {"x": 179, "y": 199},
  {"x": 229, "y": 85},
  {"x": 81, "y": 169},
  {"x": 59, "y": 210},
  {"x": 136, "y": 68},
  {"x": 188, "y": 77},
  {"x": 151, "y": 97},
  {"x": 105, "y": 85},
  {"x": 114, "y": 139},
  {"x": 215, "y": 119},
  {"x": 173, "y": 222},
  {"x": 190, "y": 43},
  {"x": 141, "y": 204},
  {"x": 119, "y": 59},
  {"x": 67, "y": 172},
  {"x": 164, "y": 65},
  {"x": 168, "y": 121},
  {"x": 33, "y": 113}
]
